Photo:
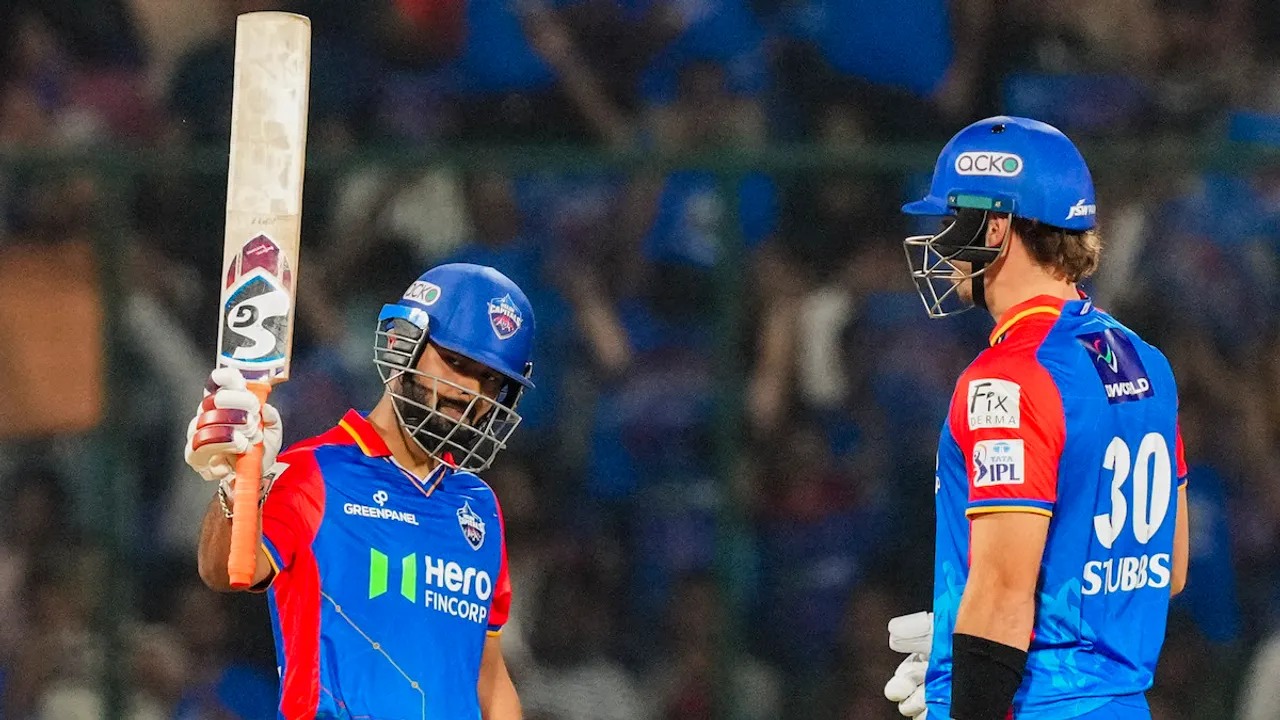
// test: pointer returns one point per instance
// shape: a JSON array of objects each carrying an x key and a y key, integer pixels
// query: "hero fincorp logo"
[
  {"x": 1120, "y": 368},
  {"x": 449, "y": 588},
  {"x": 988, "y": 163}
]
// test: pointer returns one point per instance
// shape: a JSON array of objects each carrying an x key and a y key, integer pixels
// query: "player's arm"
[
  {"x": 1182, "y": 526},
  {"x": 496, "y": 692},
  {"x": 498, "y": 698},
  {"x": 1181, "y": 544},
  {"x": 228, "y": 421},
  {"x": 1006, "y": 549},
  {"x": 997, "y": 613},
  {"x": 1013, "y": 476},
  {"x": 215, "y": 547}
]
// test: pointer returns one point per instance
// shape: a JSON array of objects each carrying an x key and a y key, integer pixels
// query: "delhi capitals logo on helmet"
[
  {"x": 472, "y": 526},
  {"x": 505, "y": 317}
]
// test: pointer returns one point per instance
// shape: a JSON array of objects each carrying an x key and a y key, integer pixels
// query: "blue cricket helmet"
[
  {"x": 1012, "y": 165},
  {"x": 478, "y": 313},
  {"x": 474, "y": 311}
]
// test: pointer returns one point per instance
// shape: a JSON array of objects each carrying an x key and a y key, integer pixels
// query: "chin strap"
[{"x": 979, "y": 287}]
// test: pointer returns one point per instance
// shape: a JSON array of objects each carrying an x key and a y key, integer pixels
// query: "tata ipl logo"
[{"x": 1124, "y": 378}]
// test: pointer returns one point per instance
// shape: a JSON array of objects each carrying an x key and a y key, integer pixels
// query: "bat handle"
[{"x": 242, "y": 562}]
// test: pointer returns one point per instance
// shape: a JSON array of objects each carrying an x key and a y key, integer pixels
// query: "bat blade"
[
  {"x": 264, "y": 193},
  {"x": 263, "y": 228}
]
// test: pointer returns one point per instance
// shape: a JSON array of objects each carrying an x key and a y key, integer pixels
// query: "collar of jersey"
[
  {"x": 364, "y": 435},
  {"x": 1036, "y": 306}
]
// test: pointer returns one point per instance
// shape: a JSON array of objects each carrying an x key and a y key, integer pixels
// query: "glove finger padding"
[
  {"x": 908, "y": 678},
  {"x": 912, "y": 633},
  {"x": 229, "y": 421},
  {"x": 914, "y": 707}
]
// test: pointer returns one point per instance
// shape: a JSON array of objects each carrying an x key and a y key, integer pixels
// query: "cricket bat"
[{"x": 263, "y": 226}]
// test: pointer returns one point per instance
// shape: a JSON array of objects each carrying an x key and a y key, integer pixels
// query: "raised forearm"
[{"x": 215, "y": 548}]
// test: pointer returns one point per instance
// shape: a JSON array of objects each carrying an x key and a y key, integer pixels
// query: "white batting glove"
[
  {"x": 911, "y": 634},
  {"x": 906, "y": 687},
  {"x": 229, "y": 422}
]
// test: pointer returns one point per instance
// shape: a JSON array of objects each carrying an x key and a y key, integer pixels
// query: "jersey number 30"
[{"x": 1152, "y": 488}]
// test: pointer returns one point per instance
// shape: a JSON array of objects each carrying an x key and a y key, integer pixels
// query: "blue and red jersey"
[
  {"x": 385, "y": 587},
  {"x": 1071, "y": 415}
]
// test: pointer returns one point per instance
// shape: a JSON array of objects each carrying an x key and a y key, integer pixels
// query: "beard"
[{"x": 414, "y": 403}]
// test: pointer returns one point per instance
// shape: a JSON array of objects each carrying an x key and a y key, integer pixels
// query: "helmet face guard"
[
  {"x": 934, "y": 261},
  {"x": 469, "y": 442}
]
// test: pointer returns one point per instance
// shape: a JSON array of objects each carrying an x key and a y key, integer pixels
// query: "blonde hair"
[{"x": 1071, "y": 254}]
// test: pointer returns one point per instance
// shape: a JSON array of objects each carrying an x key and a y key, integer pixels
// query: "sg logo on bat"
[{"x": 256, "y": 307}]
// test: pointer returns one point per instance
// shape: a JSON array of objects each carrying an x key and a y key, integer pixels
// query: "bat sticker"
[{"x": 257, "y": 306}]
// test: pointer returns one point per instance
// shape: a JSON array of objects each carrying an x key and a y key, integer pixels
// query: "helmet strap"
[{"x": 979, "y": 286}]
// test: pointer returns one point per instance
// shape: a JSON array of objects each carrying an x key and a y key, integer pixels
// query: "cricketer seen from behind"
[
  {"x": 1062, "y": 526},
  {"x": 382, "y": 553}
]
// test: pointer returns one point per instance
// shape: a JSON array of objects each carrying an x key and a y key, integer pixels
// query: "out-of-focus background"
[{"x": 722, "y": 489}]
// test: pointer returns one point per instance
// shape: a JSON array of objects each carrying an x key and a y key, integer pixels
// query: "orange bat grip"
[{"x": 242, "y": 562}]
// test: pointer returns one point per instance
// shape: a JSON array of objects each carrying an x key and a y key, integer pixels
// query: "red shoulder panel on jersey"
[{"x": 1007, "y": 417}]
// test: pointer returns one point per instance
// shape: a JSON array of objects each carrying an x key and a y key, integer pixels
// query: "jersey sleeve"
[
  {"x": 1181, "y": 456},
  {"x": 500, "y": 605},
  {"x": 1007, "y": 417},
  {"x": 293, "y": 509}
]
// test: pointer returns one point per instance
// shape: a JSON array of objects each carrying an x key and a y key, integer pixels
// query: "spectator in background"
[
  {"x": 678, "y": 218},
  {"x": 850, "y": 685},
  {"x": 819, "y": 525},
  {"x": 38, "y": 511},
  {"x": 502, "y": 239},
  {"x": 919, "y": 62},
  {"x": 684, "y": 683},
  {"x": 575, "y": 678},
  {"x": 218, "y": 685},
  {"x": 826, "y": 221}
]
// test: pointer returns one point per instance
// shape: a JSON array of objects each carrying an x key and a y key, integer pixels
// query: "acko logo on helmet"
[{"x": 988, "y": 163}]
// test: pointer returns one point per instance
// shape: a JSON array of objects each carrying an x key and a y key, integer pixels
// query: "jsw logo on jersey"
[{"x": 449, "y": 585}]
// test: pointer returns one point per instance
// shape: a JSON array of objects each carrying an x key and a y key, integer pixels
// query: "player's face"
[
  {"x": 467, "y": 379},
  {"x": 964, "y": 284}
]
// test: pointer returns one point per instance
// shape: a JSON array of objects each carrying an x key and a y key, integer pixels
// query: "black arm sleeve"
[{"x": 985, "y": 676}]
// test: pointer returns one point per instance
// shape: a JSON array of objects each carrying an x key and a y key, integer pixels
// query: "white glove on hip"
[
  {"x": 230, "y": 421},
  {"x": 912, "y": 634}
]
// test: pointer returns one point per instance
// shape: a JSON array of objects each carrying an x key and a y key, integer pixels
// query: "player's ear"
[{"x": 997, "y": 228}]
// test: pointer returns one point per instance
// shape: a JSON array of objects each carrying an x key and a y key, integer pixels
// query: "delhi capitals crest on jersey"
[{"x": 472, "y": 526}]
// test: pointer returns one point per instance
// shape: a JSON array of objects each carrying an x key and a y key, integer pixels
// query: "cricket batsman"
[
  {"x": 1061, "y": 500},
  {"x": 382, "y": 553}
]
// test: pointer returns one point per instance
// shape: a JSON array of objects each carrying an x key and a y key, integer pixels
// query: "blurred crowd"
[{"x": 768, "y": 593}]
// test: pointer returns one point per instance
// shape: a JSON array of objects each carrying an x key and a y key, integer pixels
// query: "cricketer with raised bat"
[
  {"x": 382, "y": 553},
  {"x": 1062, "y": 525}
]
